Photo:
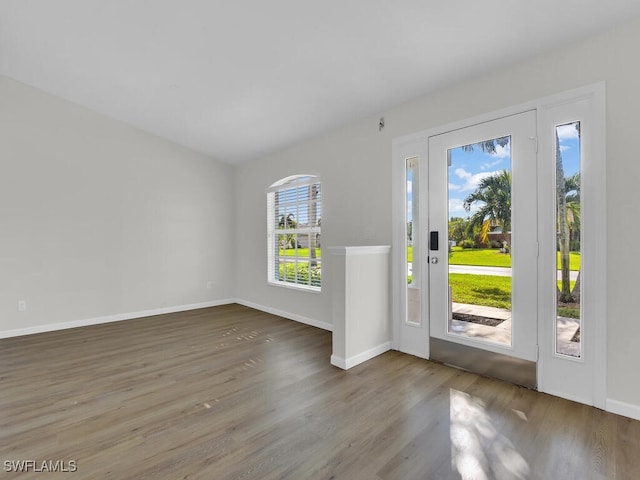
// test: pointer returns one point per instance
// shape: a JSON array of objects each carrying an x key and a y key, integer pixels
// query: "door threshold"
[{"x": 489, "y": 364}]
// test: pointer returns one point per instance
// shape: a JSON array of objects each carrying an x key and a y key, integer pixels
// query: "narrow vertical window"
[
  {"x": 294, "y": 217},
  {"x": 568, "y": 261},
  {"x": 412, "y": 249}
]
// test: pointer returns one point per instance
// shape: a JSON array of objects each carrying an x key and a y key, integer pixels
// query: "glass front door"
[
  {"x": 482, "y": 243},
  {"x": 479, "y": 240}
]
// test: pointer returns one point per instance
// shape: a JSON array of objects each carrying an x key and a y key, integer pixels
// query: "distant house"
[
  {"x": 303, "y": 240},
  {"x": 496, "y": 235}
]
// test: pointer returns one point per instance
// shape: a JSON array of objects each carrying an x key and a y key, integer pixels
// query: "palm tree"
[
  {"x": 572, "y": 188},
  {"x": 286, "y": 222},
  {"x": 494, "y": 196},
  {"x": 488, "y": 146},
  {"x": 568, "y": 220}
]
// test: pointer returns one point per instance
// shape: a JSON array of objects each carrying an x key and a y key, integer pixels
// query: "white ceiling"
[{"x": 239, "y": 79}]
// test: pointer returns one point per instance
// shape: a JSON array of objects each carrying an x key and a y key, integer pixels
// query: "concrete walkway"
[
  {"x": 566, "y": 327},
  {"x": 498, "y": 334},
  {"x": 497, "y": 271},
  {"x": 478, "y": 270}
]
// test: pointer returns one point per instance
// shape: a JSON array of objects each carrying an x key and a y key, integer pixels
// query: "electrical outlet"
[
  {"x": 22, "y": 305},
  {"x": 209, "y": 285}
]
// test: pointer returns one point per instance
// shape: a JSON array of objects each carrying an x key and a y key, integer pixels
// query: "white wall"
[
  {"x": 354, "y": 163},
  {"x": 98, "y": 218}
]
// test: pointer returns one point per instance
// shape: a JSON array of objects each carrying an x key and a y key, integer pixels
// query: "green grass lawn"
[
  {"x": 302, "y": 252},
  {"x": 490, "y": 291},
  {"x": 574, "y": 261},
  {"x": 485, "y": 257},
  {"x": 490, "y": 257}
]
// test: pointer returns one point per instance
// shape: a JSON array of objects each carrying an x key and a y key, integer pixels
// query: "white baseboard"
[
  {"x": 572, "y": 398},
  {"x": 50, "y": 327},
  {"x": 625, "y": 409},
  {"x": 414, "y": 353},
  {"x": 290, "y": 316},
  {"x": 338, "y": 362},
  {"x": 351, "y": 362}
]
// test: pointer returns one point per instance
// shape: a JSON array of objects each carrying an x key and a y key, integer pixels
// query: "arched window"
[{"x": 294, "y": 212}]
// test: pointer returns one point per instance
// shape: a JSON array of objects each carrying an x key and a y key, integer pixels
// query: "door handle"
[{"x": 434, "y": 260}]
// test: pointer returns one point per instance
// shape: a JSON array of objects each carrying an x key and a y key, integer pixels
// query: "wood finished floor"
[{"x": 234, "y": 393}]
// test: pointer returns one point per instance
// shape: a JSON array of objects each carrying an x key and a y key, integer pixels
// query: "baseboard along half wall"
[
  {"x": 290, "y": 316},
  {"x": 351, "y": 362}
]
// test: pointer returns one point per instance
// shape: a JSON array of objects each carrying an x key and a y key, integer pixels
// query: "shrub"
[
  {"x": 574, "y": 245},
  {"x": 495, "y": 244},
  {"x": 570, "y": 312},
  {"x": 467, "y": 243},
  {"x": 303, "y": 274}
]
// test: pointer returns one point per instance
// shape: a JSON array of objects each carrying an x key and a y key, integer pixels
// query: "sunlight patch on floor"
[{"x": 478, "y": 450}]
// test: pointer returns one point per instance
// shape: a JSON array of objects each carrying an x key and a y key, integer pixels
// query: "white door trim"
[
  {"x": 418, "y": 140},
  {"x": 557, "y": 374},
  {"x": 408, "y": 338},
  {"x": 522, "y": 130}
]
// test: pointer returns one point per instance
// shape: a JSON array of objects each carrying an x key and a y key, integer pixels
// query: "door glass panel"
[
  {"x": 412, "y": 253},
  {"x": 479, "y": 215},
  {"x": 568, "y": 258}
]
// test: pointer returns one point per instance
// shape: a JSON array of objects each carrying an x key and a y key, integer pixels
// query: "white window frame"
[
  {"x": 582, "y": 379},
  {"x": 293, "y": 182}
]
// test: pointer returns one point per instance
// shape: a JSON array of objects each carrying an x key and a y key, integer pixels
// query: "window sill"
[{"x": 293, "y": 286}]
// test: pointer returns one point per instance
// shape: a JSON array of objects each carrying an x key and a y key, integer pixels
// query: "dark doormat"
[{"x": 466, "y": 317}]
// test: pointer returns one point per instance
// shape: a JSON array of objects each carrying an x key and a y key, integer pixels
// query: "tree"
[
  {"x": 568, "y": 221},
  {"x": 488, "y": 146},
  {"x": 494, "y": 198},
  {"x": 286, "y": 222},
  {"x": 457, "y": 229},
  {"x": 572, "y": 189}
]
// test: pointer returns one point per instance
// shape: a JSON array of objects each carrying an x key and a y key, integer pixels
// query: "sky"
[{"x": 469, "y": 168}]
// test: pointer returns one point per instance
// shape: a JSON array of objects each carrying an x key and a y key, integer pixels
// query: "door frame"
[
  {"x": 415, "y": 144},
  {"x": 553, "y": 377},
  {"x": 407, "y": 337}
]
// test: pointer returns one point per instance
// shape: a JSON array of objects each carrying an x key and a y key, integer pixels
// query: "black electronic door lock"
[{"x": 433, "y": 241}]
